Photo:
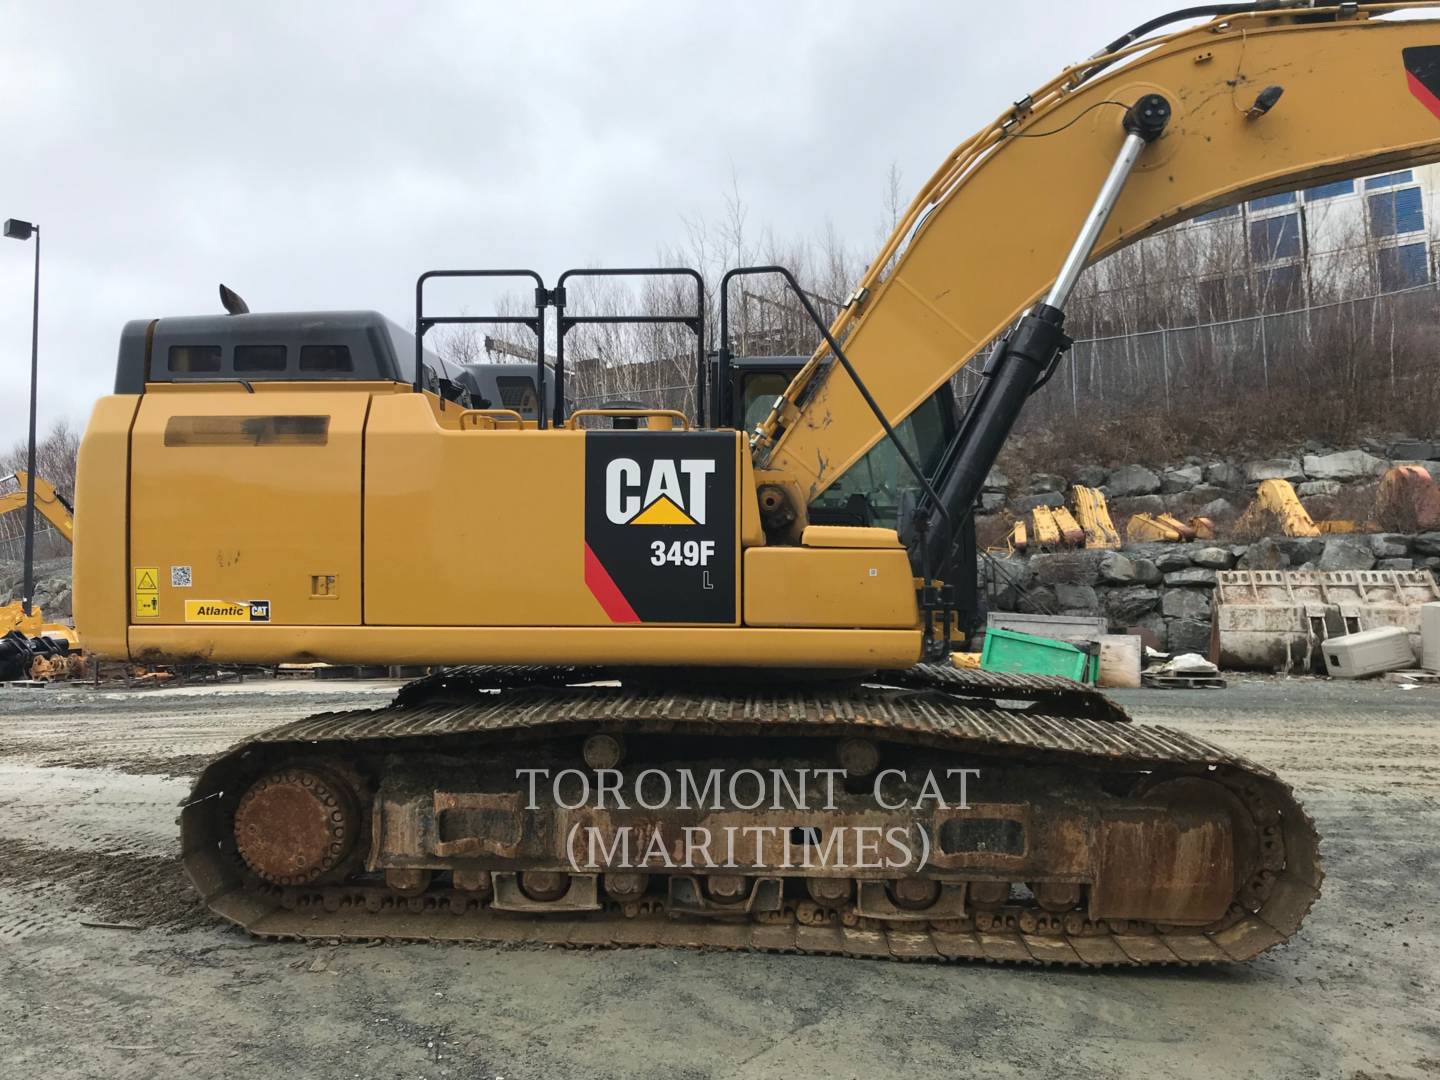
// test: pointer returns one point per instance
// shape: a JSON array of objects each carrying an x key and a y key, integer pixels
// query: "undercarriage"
[{"x": 929, "y": 814}]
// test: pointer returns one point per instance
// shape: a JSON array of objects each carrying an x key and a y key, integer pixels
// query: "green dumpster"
[{"x": 1009, "y": 650}]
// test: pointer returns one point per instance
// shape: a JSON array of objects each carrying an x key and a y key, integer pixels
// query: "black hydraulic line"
[{"x": 1200, "y": 11}]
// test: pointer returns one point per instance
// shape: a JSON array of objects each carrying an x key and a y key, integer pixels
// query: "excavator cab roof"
[{"x": 273, "y": 346}]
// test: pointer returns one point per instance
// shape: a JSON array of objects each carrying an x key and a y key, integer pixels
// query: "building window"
[
  {"x": 1388, "y": 179},
  {"x": 1269, "y": 202},
  {"x": 259, "y": 357},
  {"x": 1221, "y": 298},
  {"x": 1329, "y": 191},
  {"x": 1223, "y": 212},
  {"x": 1279, "y": 288},
  {"x": 1275, "y": 238},
  {"x": 1403, "y": 267},
  {"x": 1396, "y": 212},
  {"x": 325, "y": 358},
  {"x": 194, "y": 359}
]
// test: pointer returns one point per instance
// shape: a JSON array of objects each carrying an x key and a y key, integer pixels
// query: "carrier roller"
[{"x": 968, "y": 816}]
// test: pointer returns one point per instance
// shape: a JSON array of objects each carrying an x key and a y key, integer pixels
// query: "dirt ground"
[{"x": 89, "y": 783}]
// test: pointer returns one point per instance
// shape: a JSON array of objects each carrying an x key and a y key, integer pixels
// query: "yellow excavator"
[
  {"x": 51, "y": 505},
  {"x": 654, "y": 628}
]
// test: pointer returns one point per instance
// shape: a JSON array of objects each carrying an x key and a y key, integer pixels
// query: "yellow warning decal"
[
  {"x": 227, "y": 611},
  {"x": 147, "y": 592},
  {"x": 662, "y": 512}
]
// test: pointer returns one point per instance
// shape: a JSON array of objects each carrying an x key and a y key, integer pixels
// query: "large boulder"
[
  {"x": 1025, "y": 503},
  {"x": 1181, "y": 479},
  {"x": 1040, "y": 483},
  {"x": 1273, "y": 469},
  {"x": 992, "y": 501},
  {"x": 1039, "y": 600},
  {"x": 1129, "y": 604},
  {"x": 1092, "y": 476},
  {"x": 1415, "y": 450},
  {"x": 1346, "y": 553},
  {"x": 1395, "y": 564},
  {"x": 1076, "y": 599},
  {"x": 997, "y": 481},
  {"x": 1426, "y": 543},
  {"x": 1225, "y": 475},
  {"x": 1264, "y": 554},
  {"x": 1300, "y": 549},
  {"x": 1132, "y": 480},
  {"x": 1127, "y": 505},
  {"x": 1119, "y": 569},
  {"x": 1185, "y": 604},
  {"x": 1197, "y": 496},
  {"x": 1176, "y": 558},
  {"x": 1346, "y": 465},
  {"x": 1154, "y": 624},
  {"x": 1318, "y": 487},
  {"x": 1216, "y": 510},
  {"x": 1189, "y": 636},
  {"x": 1389, "y": 545},
  {"x": 1216, "y": 558},
  {"x": 1068, "y": 567},
  {"x": 1196, "y": 577}
]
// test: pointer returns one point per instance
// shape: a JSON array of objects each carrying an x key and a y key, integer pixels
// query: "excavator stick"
[
  {"x": 1047, "y": 532},
  {"x": 1070, "y": 531},
  {"x": 1094, "y": 515},
  {"x": 1149, "y": 528}
]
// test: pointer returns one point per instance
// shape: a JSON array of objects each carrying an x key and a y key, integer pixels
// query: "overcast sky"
[{"x": 322, "y": 155}]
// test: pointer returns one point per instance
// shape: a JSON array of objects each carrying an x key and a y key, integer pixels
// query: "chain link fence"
[{"x": 1385, "y": 336}]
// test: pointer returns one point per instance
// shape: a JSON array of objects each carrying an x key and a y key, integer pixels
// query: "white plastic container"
[
  {"x": 1430, "y": 636},
  {"x": 1370, "y": 652}
]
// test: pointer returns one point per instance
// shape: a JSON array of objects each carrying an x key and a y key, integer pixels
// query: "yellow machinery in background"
[
  {"x": 265, "y": 488},
  {"x": 51, "y": 505},
  {"x": 1094, "y": 515}
]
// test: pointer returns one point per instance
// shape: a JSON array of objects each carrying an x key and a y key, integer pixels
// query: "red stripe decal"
[
  {"x": 604, "y": 589},
  {"x": 1423, "y": 94}
]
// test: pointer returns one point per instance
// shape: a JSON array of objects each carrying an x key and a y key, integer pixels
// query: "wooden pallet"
[
  {"x": 1414, "y": 676},
  {"x": 1182, "y": 682}
]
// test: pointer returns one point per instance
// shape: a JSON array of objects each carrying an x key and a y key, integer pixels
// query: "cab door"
[{"x": 246, "y": 506}]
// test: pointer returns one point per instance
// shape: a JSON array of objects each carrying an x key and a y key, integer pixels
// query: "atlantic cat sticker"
[
  {"x": 660, "y": 530},
  {"x": 227, "y": 611}
]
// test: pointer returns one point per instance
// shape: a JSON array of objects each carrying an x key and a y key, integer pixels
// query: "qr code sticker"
[{"x": 180, "y": 577}]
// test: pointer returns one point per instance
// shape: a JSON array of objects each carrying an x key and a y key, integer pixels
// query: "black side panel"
[
  {"x": 660, "y": 528},
  {"x": 1422, "y": 68},
  {"x": 130, "y": 364}
]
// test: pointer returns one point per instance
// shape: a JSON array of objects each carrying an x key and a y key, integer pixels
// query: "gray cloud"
[{"x": 321, "y": 155}]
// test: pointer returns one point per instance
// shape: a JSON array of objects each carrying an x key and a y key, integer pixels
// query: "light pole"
[{"x": 16, "y": 229}]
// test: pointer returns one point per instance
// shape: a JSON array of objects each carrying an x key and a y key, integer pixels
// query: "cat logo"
[{"x": 673, "y": 493}]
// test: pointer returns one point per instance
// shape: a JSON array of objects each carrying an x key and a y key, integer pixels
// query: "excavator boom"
[{"x": 986, "y": 236}]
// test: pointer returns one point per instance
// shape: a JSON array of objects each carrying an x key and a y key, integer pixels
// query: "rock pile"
[
  {"x": 1217, "y": 489},
  {"x": 1166, "y": 588}
]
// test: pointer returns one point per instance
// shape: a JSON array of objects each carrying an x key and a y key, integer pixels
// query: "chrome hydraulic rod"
[{"x": 1023, "y": 360}]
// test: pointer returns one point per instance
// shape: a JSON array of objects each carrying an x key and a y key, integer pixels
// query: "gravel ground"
[{"x": 89, "y": 783}]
